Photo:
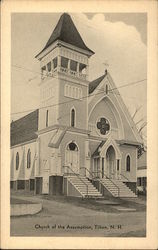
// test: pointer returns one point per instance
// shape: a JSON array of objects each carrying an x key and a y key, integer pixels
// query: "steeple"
[
  {"x": 65, "y": 31},
  {"x": 64, "y": 64}
]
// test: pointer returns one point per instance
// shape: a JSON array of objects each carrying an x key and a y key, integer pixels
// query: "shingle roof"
[
  {"x": 57, "y": 138},
  {"x": 66, "y": 31},
  {"x": 96, "y": 152},
  {"x": 23, "y": 129},
  {"x": 93, "y": 85}
]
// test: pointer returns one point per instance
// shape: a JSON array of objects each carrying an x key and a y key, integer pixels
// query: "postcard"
[{"x": 79, "y": 125}]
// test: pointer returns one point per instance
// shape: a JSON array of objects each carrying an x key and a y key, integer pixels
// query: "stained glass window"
[{"x": 103, "y": 126}]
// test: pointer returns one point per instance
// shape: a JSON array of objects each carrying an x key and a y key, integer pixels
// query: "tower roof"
[{"x": 66, "y": 31}]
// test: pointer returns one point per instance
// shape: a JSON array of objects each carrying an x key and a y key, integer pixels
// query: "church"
[{"x": 82, "y": 141}]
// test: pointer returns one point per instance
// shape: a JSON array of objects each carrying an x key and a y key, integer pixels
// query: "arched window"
[
  {"x": 72, "y": 147},
  {"x": 17, "y": 161},
  {"x": 47, "y": 118},
  {"x": 28, "y": 158},
  {"x": 72, "y": 118},
  {"x": 128, "y": 163}
]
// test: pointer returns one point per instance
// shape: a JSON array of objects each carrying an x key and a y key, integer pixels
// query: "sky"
[{"x": 118, "y": 39}]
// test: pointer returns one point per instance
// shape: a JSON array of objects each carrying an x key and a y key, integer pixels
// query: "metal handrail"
[
  {"x": 94, "y": 172},
  {"x": 99, "y": 172},
  {"x": 109, "y": 179},
  {"x": 77, "y": 176},
  {"x": 114, "y": 185},
  {"x": 125, "y": 177},
  {"x": 88, "y": 171}
]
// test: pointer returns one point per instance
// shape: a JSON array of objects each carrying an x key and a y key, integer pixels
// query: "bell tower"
[{"x": 64, "y": 78}]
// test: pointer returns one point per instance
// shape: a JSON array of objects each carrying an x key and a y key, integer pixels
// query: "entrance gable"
[
  {"x": 107, "y": 144},
  {"x": 129, "y": 127}
]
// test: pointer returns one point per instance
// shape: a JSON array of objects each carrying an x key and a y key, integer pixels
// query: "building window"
[
  {"x": 28, "y": 158},
  {"x": 64, "y": 62},
  {"x": 118, "y": 165},
  {"x": 72, "y": 92},
  {"x": 128, "y": 163},
  {"x": 49, "y": 67},
  {"x": 47, "y": 118},
  {"x": 55, "y": 62},
  {"x": 106, "y": 89},
  {"x": 72, "y": 147},
  {"x": 17, "y": 161},
  {"x": 72, "y": 118},
  {"x": 103, "y": 126},
  {"x": 73, "y": 65},
  {"x": 144, "y": 182},
  {"x": 82, "y": 68}
]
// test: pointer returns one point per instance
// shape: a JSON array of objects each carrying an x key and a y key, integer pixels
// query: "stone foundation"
[
  {"x": 38, "y": 185},
  {"x": 55, "y": 185},
  {"x": 131, "y": 185}
]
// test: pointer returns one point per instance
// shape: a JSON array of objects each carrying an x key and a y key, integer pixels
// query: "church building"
[{"x": 82, "y": 140}]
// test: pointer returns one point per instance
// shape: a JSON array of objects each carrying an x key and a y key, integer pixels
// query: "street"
[{"x": 67, "y": 219}]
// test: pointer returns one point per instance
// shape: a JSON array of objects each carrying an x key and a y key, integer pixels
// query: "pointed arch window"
[
  {"x": 47, "y": 117},
  {"x": 73, "y": 117},
  {"x": 106, "y": 89},
  {"x": 17, "y": 161},
  {"x": 28, "y": 158},
  {"x": 128, "y": 163}
]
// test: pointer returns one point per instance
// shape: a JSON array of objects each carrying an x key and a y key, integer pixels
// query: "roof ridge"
[
  {"x": 94, "y": 84},
  {"x": 25, "y": 116}
]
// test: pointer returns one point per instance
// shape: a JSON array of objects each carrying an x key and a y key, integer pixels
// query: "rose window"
[{"x": 103, "y": 126}]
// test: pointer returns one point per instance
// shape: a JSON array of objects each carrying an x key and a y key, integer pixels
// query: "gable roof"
[
  {"x": 66, "y": 31},
  {"x": 57, "y": 138},
  {"x": 94, "y": 84},
  {"x": 96, "y": 152},
  {"x": 23, "y": 129}
]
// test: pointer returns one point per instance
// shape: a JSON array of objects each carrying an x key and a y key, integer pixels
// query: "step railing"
[
  {"x": 91, "y": 173},
  {"x": 125, "y": 177},
  {"x": 77, "y": 175},
  {"x": 87, "y": 170},
  {"x": 104, "y": 174}
]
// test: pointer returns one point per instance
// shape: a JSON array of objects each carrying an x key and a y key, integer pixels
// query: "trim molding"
[{"x": 23, "y": 143}]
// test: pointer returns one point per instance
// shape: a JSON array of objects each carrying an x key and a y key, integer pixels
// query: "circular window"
[{"x": 103, "y": 126}]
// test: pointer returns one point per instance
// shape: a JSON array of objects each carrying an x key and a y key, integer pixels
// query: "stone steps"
[
  {"x": 117, "y": 188},
  {"x": 81, "y": 184}
]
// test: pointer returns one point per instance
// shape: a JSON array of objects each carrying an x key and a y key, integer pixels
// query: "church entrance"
[
  {"x": 110, "y": 162},
  {"x": 72, "y": 157}
]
